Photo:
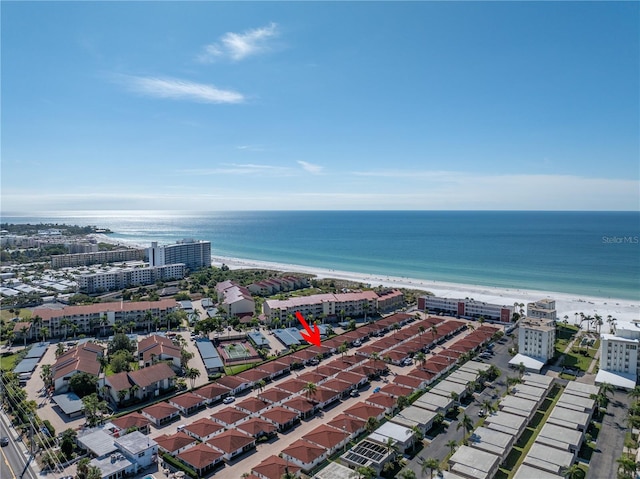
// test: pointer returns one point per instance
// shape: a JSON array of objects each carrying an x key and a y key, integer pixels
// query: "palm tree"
[
  {"x": 75, "y": 328},
  {"x": 494, "y": 371},
  {"x": 452, "y": 444},
  {"x": 633, "y": 394},
  {"x": 59, "y": 350},
  {"x": 23, "y": 331},
  {"x": 44, "y": 332},
  {"x": 402, "y": 402},
  {"x": 420, "y": 357},
  {"x": 572, "y": 472},
  {"x": 430, "y": 465},
  {"x": 392, "y": 446},
  {"x": 133, "y": 390},
  {"x": 607, "y": 388},
  {"x": 342, "y": 349},
  {"x": 407, "y": 474},
  {"x": 66, "y": 323},
  {"x": 421, "y": 328},
  {"x": 103, "y": 322},
  {"x": 455, "y": 396},
  {"x": 466, "y": 424},
  {"x": 36, "y": 322},
  {"x": 521, "y": 369},
  {"x": 46, "y": 375},
  {"x": 627, "y": 464},
  {"x": 310, "y": 389},
  {"x": 434, "y": 332},
  {"x": 192, "y": 374},
  {"x": 488, "y": 406},
  {"x": 372, "y": 424}
]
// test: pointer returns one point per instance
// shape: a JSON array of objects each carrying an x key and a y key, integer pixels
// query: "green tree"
[
  {"x": 83, "y": 384},
  {"x": 572, "y": 472},
  {"x": 452, "y": 444},
  {"x": 407, "y": 474},
  {"x": 192, "y": 374},
  {"x": 372, "y": 424},
  {"x": 466, "y": 424},
  {"x": 94, "y": 408},
  {"x": 430, "y": 465},
  {"x": 366, "y": 472},
  {"x": 120, "y": 361},
  {"x": 403, "y": 402},
  {"x": 121, "y": 342},
  {"x": 68, "y": 442},
  {"x": 310, "y": 389}
]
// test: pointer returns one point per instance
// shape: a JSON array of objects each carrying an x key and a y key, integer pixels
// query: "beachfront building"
[
  {"x": 274, "y": 285},
  {"x": 194, "y": 254},
  {"x": 536, "y": 338},
  {"x": 466, "y": 308},
  {"x": 128, "y": 277},
  {"x": 331, "y": 306},
  {"x": 618, "y": 357},
  {"x": 93, "y": 317},
  {"x": 542, "y": 309},
  {"x": 84, "y": 259}
]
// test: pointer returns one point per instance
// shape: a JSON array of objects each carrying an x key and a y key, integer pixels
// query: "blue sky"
[{"x": 303, "y": 105}]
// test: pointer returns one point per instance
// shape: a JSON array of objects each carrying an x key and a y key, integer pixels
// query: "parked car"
[
  {"x": 4, "y": 441},
  {"x": 228, "y": 399},
  {"x": 354, "y": 393},
  {"x": 377, "y": 390}
]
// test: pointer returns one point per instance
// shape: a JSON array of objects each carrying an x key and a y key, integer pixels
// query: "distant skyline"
[{"x": 203, "y": 106}]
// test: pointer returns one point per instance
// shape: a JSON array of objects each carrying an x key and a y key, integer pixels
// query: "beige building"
[
  {"x": 618, "y": 355},
  {"x": 537, "y": 338},
  {"x": 83, "y": 259},
  {"x": 542, "y": 309}
]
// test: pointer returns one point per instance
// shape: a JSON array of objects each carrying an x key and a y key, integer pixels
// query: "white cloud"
[
  {"x": 310, "y": 167},
  {"x": 240, "y": 169},
  {"x": 238, "y": 46},
  {"x": 177, "y": 89}
]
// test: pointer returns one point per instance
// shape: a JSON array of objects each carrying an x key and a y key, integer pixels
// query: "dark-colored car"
[{"x": 4, "y": 441}]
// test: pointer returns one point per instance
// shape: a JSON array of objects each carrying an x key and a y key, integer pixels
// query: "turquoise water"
[{"x": 588, "y": 253}]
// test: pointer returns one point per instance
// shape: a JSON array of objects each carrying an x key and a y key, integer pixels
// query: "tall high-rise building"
[{"x": 194, "y": 254}]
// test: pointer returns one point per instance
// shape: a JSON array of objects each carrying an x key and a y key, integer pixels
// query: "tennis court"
[{"x": 237, "y": 351}]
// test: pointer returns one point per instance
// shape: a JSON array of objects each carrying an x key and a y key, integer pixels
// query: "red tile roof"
[
  {"x": 145, "y": 377},
  {"x": 252, "y": 404},
  {"x": 304, "y": 451},
  {"x": 160, "y": 410},
  {"x": 299, "y": 403},
  {"x": 187, "y": 400},
  {"x": 274, "y": 395},
  {"x": 274, "y": 467},
  {"x": 292, "y": 385},
  {"x": 119, "y": 381},
  {"x": 252, "y": 375},
  {"x": 347, "y": 423},
  {"x": 200, "y": 456},
  {"x": 232, "y": 382},
  {"x": 256, "y": 425},
  {"x": 325, "y": 436},
  {"x": 230, "y": 441},
  {"x": 273, "y": 367},
  {"x": 229, "y": 415},
  {"x": 133, "y": 419},
  {"x": 97, "y": 308},
  {"x": 380, "y": 399},
  {"x": 212, "y": 391},
  {"x": 175, "y": 441},
  {"x": 203, "y": 427},
  {"x": 364, "y": 411},
  {"x": 279, "y": 415}
]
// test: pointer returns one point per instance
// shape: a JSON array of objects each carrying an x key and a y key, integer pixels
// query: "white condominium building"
[
  {"x": 618, "y": 355},
  {"x": 536, "y": 338},
  {"x": 543, "y": 309},
  {"x": 127, "y": 277},
  {"x": 466, "y": 307},
  {"x": 83, "y": 259},
  {"x": 192, "y": 253}
]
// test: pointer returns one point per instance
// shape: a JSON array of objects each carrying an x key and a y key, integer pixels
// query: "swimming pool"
[{"x": 149, "y": 476}]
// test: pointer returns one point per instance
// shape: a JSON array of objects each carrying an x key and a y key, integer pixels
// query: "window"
[{"x": 141, "y": 454}]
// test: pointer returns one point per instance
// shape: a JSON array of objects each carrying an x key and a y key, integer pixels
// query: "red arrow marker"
[{"x": 311, "y": 334}]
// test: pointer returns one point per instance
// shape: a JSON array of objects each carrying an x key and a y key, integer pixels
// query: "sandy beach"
[{"x": 566, "y": 304}]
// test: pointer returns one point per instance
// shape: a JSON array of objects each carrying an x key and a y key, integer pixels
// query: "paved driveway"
[{"x": 611, "y": 438}]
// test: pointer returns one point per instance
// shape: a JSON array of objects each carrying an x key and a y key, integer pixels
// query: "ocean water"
[{"x": 584, "y": 253}]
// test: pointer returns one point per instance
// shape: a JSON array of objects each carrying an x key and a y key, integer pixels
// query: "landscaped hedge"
[{"x": 177, "y": 464}]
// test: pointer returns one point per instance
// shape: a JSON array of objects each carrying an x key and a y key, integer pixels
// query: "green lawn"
[
  {"x": 7, "y": 363},
  {"x": 231, "y": 370}
]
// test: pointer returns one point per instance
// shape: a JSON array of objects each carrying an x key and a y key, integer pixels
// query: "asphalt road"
[
  {"x": 438, "y": 448},
  {"x": 14, "y": 456},
  {"x": 610, "y": 440}
]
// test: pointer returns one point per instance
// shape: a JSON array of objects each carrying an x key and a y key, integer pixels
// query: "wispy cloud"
[
  {"x": 176, "y": 89},
  {"x": 238, "y": 46},
  {"x": 240, "y": 169},
  {"x": 310, "y": 167}
]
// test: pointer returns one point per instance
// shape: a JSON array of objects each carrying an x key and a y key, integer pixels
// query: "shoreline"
[{"x": 566, "y": 304}]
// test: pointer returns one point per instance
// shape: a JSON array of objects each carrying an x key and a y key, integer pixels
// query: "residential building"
[
  {"x": 128, "y": 277},
  {"x": 235, "y": 300},
  {"x": 83, "y": 259},
  {"x": 142, "y": 384},
  {"x": 82, "y": 358},
  {"x": 466, "y": 308},
  {"x": 619, "y": 355},
  {"x": 156, "y": 348},
  {"x": 537, "y": 337},
  {"x": 96, "y": 317},
  {"x": 193, "y": 254},
  {"x": 331, "y": 306},
  {"x": 542, "y": 309}
]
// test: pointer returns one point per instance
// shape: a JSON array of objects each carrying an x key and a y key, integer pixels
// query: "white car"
[{"x": 228, "y": 399}]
